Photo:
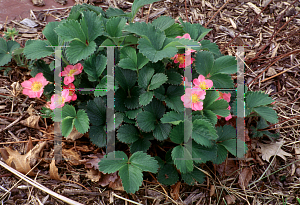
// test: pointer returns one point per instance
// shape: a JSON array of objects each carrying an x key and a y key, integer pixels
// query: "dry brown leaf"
[
  {"x": 175, "y": 190},
  {"x": 116, "y": 184},
  {"x": 32, "y": 121},
  {"x": 212, "y": 190},
  {"x": 245, "y": 177},
  {"x": 74, "y": 135},
  {"x": 71, "y": 156},
  {"x": 230, "y": 199},
  {"x": 228, "y": 167},
  {"x": 22, "y": 163},
  {"x": 269, "y": 150},
  {"x": 54, "y": 171},
  {"x": 93, "y": 175}
]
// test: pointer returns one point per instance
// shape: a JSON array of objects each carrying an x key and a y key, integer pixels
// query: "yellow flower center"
[
  {"x": 195, "y": 98},
  {"x": 71, "y": 72},
  {"x": 221, "y": 95},
  {"x": 203, "y": 85},
  {"x": 36, "y": 86},
  {"x": 181, "y": 58}
]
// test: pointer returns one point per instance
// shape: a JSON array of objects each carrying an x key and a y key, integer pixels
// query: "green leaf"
[
  {"x": 221, "y": 154},
  {"x": 37, "y": 49},
  {"x": 67, "y": 126},
  {"x": 141, "y": 144},
  {"x": 161, "y": 131},
  {"x": 225, "y": 64},
  {"x": 204, "y": 132},
  {"x": 138, "y": 4},
  {"x": 91, "y": 25},
  {"x": 115, "y": 121},
  {"x": 157, "y": 80},
  {"x": 133, "y": 113},
  {"x": 96, "y": 110},
  {"x": 126, "y": 78},
  {"x": 78, "y": 51},
  {"x": 156, "y": 107},
  {"x": 144, "y": 162},
  {"x": 70, "y": 30},
  {"x": 204, "y": 62},
  {"x": 97, "y": 135},
  {"x": 202, "y": 154},
  {"x": 145, "y": 98},
  {"x": 196, "y": 31},
  {"x": 94, "y": 66},
  {"x": 120, "y": 96},
  {"x": 114, "y": 26},
  {"x": 267, "y": 113},
  {"x": 226, "y": 132},
  {"x": 50, "y": 34},
  {"x": 112, "y": 12},
  {"x": 146, "y": 121},
  {"x": 174, "y": 78},
  {"x": 68, "y": 111},
  {"x": 110, "y": 164},
  {"x": 128, "y": 133},
  {"x": 195, "y": 175},
  {"x": 82, "y": 122},
  {"x": 101, "y": 88},
  {"x": 210, "y": 97},
  {"x": 168, "y": 175},
  {"x": 235, "y": 146},
  {"x": 177, "y": 134},
  {"x": 175, "y": 103},
  {"x": 145, "y": 76},
  {"x": 185, "y": 165},
  {"x": 219, "y": 107},
  {"x": 211, "y": 116},
  {"x": 128, "y": 58},
  {"x": 212, "y": 47},
  {"x": 132, "y": 178},
  {"x": 163, "y": 22},
  {"x": 132, "y": 100},
  {"x": 141, "y": 60},
  {"x": 174, "y": 31},
  {"x": 222, "y": 81},
  {"x": 258, "y": 98},
  {"x": 40, "y": 66},
  {"x": 172, "y": 117}
]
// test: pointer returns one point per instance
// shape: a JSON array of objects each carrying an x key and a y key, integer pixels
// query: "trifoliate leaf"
[
  {"x": 141, "y": 144},
  {"x": 113, "y": 162},
  {"x": 132, "y": 100},
  {"x": 114, "y": 26},
  {"x": 37, "y": 49},
  {"x": 204, "y": 132},
  {"x": 156, "y": 107},
  {"x": 67, "y": 126},
  {"x": 168, "y": 175},
  {"x": 157, "y": 80},
  {"x": 191, "y": 177},
  {"x": 219, "y": 107},
  {"x": 146, "y": 121},
  {"x": 132, "y": 178},
  {"x": 97, "y": 135},
  {"x": 196, "y": 31},
  {"x": 222, "y": 81},
  {"x": 225, "y": 64},
  {"x": 258, "y": 98},
  {"x": 82, "y": 122},
  {"x": 172, "y": 117},
  {"x": 204, "y": 62},
  {"x": 145, "y": 75},
  {"x": 96, "y": 110},
  {"x": 226, "y": 132},
  {"x": 50, "y": 34},
  {"x": 177, "y": 134},
  {"x": 161, "y": 131},
  {"x": 163, "y": 22},
  {"x": 144, "y": 162},
  {"x": 94, "y": 66},
  {"x": 78, "y": 51},
  {"x": 68, "y": 111},
  {"x": 267, "y": 113},
  {"x": 70, "y": 30},
  {"x": 126, "y": 78},
  {"x": 128, "y": 134},
  {"x": 211, "y": 116},
  {"x": 183, "y": 164},
  {"x": 145, "y": 98},
  {"x": 91, "y": 25}
]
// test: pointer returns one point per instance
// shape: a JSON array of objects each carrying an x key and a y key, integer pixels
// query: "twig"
[
  {"x": 148, "y": 13},
  {"x": 186, "y": 14},
  {"x": 216, "y": 13},
  {"x": 125, "y": 199},
  {"x": 12, "y": 124},
  {"x": 279, "y": 73},
  {"x": 39, "y": 186}
]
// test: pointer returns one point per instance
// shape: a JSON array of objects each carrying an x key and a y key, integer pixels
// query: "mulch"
[{"x": 270, "y": 32}]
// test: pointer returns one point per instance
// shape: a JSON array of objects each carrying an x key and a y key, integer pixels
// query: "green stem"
[{"x": 64, "y": 60}]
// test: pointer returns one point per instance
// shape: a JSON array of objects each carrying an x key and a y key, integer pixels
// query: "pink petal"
[
  {"x": 26, "y": 84},
  {"x": 187, "y": 36},
  {"x": 228, "y": 117},
  {"x": 197, "y": 106},
  {"x": 68, "y": 80},
  {"x": 74, "y": 97}
]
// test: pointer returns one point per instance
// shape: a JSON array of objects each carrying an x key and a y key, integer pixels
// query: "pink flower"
[
  {"x": 193, "y": 98},
  {"x": 71, "y": 88},
  {"x": 202, "y": 83},
  {"x": 187, "y": 36},
  {"x": 70, "y": 71},
  {"x": 225, "y": 96},
  {"x": 58, "y": 101},
  {"x": 180, "y": 58},
  {"x": 228, "y": 117},
  {"x": 34, "y": 87}
]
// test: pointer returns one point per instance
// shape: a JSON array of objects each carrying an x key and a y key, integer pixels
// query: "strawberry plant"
[{"x": 151, "y": 95}]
